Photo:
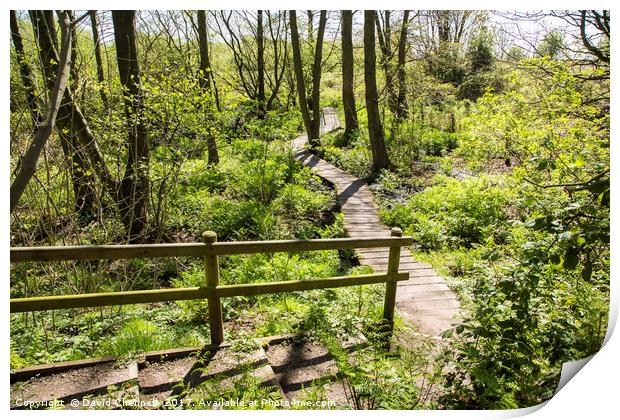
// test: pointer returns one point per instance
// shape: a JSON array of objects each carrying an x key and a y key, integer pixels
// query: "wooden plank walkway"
[{"x": 425, "y": 299}]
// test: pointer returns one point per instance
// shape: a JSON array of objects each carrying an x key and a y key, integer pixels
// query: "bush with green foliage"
[
  {"x": 544, "y": 300},
  {"x": 482, "y": 74},
  {"x": 355, "y": 158},
  {"x": 140, "y": 336},
  {"x": 477, "y": 84},
  {"x": 453, "y": 213},
  {"x": 562, "y": 127},
  {"x": 447, "y": 63}
]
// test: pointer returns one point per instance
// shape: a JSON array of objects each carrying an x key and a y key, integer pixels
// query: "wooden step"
[
  {"x": 219, "y": 367},
  {"x": 105, "y": 379},
  {"x": 303, "y": 367}
]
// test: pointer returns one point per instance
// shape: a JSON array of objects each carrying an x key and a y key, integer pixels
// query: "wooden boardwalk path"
[{"x": 425, "y": 299}]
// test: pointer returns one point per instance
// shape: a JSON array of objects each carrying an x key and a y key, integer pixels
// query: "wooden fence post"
[
  {"x": 390, "y": 286},
  {"x": 213, "y": 280},
  {"x": 452, "y": 128}
]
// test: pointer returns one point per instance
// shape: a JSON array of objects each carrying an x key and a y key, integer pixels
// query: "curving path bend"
[{"x": 425, "y": 299}]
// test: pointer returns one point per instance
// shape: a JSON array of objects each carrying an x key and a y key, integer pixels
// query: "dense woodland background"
[{"x": 483, "y": 135}]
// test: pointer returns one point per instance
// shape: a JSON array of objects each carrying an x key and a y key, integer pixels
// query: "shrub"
[
  {"x": 436, "y": 142},
  {"x": 230, "y": 218},
  {"x": 297, "y": 201},
  {"x": 200, "y": 175},
  {"x": 475, "y": 85},
  {"x": 260, "y": 179},
  {"x": 453, "y": 213},
  {"x": 356, "y": 160}
]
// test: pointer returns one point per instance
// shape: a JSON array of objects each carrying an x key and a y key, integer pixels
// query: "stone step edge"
[{"x": 28, "y": 372}]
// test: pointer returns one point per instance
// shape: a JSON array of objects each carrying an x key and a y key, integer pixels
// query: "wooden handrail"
[
  {"x": 196, "y": 249},
  {"x": 231, "y": 248}
]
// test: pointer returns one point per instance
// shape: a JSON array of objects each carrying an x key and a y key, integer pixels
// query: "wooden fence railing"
[{"x": 210, "y": 249}]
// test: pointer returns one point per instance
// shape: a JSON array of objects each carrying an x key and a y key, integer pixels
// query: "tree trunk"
[
  {"x": 203, "y": 45},
  {"x": 443, "y": 26},
  {"x": 98, "y": 59},
  {"x": 70, "y": 116},
  {"x": 402, "y": 106},
  {"x": 74, "y": 74},
  {"x": 134, "y": 188},
  {"x": 316, "y": 80},
  {"x": 29, "y": 160},
  {"x": 312, "y": 122},
  {"x": 205, "y": 77},
  {"x": 260, "y": 56},
  {"x": 299, "y": 74},
  {"x": 205, "y": 56},
  {"x": 380, "y": 158},
  {"x": 24, "y": 70},
  {"x": 280, "y": 53},
  {"x": 348, "y": 95},
  {"x": 385, "y": 44},
  {"x": 82, "y": 179},
  {"x": 290, "y": 82}
]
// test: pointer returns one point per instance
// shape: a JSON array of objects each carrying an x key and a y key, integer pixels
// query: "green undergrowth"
[
  {"x": 257, "y": 192},
  {"x": 126, "y": 331},
  {"x": 513, "y": 211}
]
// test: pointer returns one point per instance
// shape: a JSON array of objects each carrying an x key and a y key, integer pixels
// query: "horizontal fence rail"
[
  {"x": 197, "y": 249},
  {"x": 212, "y": 290},
  {"x": 189, "y": 293}
]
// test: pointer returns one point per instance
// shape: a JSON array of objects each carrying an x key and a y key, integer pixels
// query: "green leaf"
[
  {"x": 603, "y": 198},
  {"x": 572, "y": 207},
  {"x": 542, "y": 165},
  {"x": 494, "y": 256},
  {"x": 586, "y": 272},
  {"x": 447, "y": 333},
  {"x": 599, "y": 187},
  {"x": 571, "y": 258}
]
